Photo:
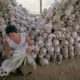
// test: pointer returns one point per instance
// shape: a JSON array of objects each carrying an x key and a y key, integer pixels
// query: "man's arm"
[
  {"x": 28, "y": 40},
  {"x": 7, "y": 51},
  {"x": 31, "y": 46}
]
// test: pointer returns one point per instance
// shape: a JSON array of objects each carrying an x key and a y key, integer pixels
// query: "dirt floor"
[{"x": 67, "y": 70}]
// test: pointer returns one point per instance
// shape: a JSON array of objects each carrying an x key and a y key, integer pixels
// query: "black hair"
[
  {"x": 10, "y": 28},
  {"x": 0, "y": 33}
]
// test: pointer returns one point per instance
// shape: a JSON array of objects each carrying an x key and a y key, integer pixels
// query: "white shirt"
[{"x": 21, "y": 46}]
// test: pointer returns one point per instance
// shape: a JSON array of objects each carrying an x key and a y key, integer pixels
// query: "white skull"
[
  {"x": 55, "y": 42},
  {"x": 43, "y": 50},
  {"x": 43, "y": 61},
  {"x": 74, "y": 34}
]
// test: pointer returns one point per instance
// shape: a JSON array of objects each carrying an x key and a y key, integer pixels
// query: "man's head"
[{"x": 11, "y": 31}]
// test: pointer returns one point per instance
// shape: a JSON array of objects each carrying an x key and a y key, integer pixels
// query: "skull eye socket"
[
  {"x": 79, "y": 41},
  {"x": 52, "y": 30},
  {"x": 1, "y": 72},
  {"x": 5, "y": 72}
]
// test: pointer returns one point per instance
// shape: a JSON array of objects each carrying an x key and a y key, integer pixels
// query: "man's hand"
[
  {"x": 29, "y": 49},
  {"x": 32, "y": 48}
]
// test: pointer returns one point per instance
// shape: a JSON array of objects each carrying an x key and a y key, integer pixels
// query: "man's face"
[{"x": 13, "y": 36}]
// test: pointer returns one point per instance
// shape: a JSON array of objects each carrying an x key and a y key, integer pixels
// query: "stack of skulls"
[
  {"x": 56, "y": 31},
  {"x": 59, "y": 35}
]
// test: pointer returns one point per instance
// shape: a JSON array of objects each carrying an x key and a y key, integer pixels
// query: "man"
[{"x": 18, "y": 41}]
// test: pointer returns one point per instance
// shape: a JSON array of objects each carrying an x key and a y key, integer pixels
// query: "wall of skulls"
[{"x": 56, "y": 31}]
